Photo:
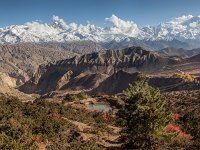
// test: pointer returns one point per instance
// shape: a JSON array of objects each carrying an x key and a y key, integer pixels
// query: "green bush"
[
  {"x": 24, "y": 125},
  {"x": 70, "y": 97},
  {"x": 82, "y": 96},
  {"x": 90, "y": 145},
  {"x": 191, "y": 123},
  {"x": 7, "y": 143}
]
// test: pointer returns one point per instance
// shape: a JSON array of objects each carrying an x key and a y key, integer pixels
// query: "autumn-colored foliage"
[
  {"x": 172, "y": 128},
  {"x": 185, "y": 76},
  {"x": 37, "y": 138},
  {"x": 185, "y": 136},
  {"x": 105, "y": 117},
  {"x": 191, "y": 123},
  {"x": 28, "y": 125},
  {"x": 176, "y": 116}
]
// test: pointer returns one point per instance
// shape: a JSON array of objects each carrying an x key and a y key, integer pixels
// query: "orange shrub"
[
  {"x": 176, "y": 116},
  {"x": 185, "y": 136},
  {"x": 172, "y": 128}
]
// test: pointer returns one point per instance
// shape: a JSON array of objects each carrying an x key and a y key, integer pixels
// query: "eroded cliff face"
[
  {"x": 6, "y": 81},
  {"x": 21, "y": 61},
  {"x": 8, "y": 88},
  {"x": 95, "y": 66}
]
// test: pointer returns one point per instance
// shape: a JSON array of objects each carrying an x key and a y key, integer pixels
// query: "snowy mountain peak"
[{"x": 181, "y": 28}]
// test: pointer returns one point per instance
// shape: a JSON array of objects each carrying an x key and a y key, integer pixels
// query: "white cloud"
[
  {"x": 182, "y": 18},
  {"x": 121, "y": 26},
  {"x": 119, "y": 23},
  {"x": 59, "y": 22}
]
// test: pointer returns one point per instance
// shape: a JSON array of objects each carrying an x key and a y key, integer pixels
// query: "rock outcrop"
[
  {"x": 6, "y": 82},
  {"x": 180, "y": 52},
  {"x": 21, "y": 61},
  {"x": 94, "y": 66},
  {"x": 7, "y": 88}
]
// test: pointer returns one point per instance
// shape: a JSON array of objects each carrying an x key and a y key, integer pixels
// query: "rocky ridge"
[
  {"x": 179, "y": 52},
  {"x": 94, "y": 66},
  {"x": 20, "y": 61}
]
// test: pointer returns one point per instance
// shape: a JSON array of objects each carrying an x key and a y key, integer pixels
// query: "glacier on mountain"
[{"x": 181, "y": 28}]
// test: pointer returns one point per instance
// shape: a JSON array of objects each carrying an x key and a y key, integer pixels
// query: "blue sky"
[{"x": 143, "y": 12}]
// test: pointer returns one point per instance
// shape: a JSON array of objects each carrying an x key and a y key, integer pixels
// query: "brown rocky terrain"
[
  {"x": 7, "y": 87},
  {"x": 195, "y": 58},
  {"x": 94, "y": 67},
  {"x": 82, "y": 94},
  {"x": 80, "y": 47},
  {"x": 109, "y": 71},
  {"x": 6, "y": 83},
  {"x": 179, "y": 52},
  {"x": 20, "y": 61}
]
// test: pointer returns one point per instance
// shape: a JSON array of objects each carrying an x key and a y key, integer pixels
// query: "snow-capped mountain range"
[{"x": 181, "y": 28}]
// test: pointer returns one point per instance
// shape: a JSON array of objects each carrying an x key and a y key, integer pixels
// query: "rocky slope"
[
  {"x": 21, "y": 60},
  {"x": 116, "y": 83},
  {"x": 7, "y": 88},
  {"x": 195, "y": 58},
  {"x": 179, "y": 52},
  {"x": 89, "y": 70},
  {"x": 6, "y": 82},
  {"x": 151, "y": 44},
  {"x": 79, "y": 47}
]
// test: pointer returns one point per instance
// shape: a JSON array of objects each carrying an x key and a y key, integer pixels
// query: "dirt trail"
[
  {"x": 105, "y": 139},
  {"x": 81, "y": 126}
]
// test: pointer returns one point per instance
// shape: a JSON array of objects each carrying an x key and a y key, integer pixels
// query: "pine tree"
[{"x": 143, "y": 117}]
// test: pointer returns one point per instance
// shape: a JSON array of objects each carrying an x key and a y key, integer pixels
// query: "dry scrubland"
[{"x": 52, "y": 125}]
